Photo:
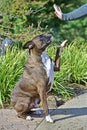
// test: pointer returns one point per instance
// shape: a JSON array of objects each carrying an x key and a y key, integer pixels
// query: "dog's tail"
[{"x": 58, "y": 55}]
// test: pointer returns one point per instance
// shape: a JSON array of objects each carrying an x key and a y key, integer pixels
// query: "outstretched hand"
[{"x": 58, "y": 11}]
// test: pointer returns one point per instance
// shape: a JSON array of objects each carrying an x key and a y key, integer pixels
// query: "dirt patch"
[{"x": 79, "y": 89}]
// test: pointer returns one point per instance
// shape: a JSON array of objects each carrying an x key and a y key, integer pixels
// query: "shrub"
[
  {"x": 73, "y": 68},
  {"x": 11, "y": 66}
]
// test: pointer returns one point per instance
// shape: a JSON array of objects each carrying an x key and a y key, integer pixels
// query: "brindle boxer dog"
[{"x": 37, "y": 77}]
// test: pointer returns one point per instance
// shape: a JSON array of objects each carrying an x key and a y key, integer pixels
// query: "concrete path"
[
  {"x": 10, "y": 121},
  {"x": 70, "y": 116}
]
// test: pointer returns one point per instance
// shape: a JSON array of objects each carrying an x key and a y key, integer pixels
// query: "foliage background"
[{"x": 21, "y": 20}]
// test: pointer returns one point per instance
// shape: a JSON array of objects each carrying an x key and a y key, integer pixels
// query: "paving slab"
[
  {"x": 10, "y": 121},
  {"x": 70, "y": 116}
]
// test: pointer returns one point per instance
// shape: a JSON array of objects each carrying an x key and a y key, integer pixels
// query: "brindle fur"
[{"x": 33, "y": 84}]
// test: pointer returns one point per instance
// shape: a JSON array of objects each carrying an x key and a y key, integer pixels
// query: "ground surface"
[
  {"x": 9, "y": 121},
  {"x": 70, "y": 116}
]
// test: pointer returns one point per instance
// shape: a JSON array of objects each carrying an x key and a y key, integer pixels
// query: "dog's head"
[{"x": 39, "y": 43}]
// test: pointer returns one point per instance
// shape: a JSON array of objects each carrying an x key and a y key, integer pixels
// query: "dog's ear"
[{"x": 28, "y": 45}]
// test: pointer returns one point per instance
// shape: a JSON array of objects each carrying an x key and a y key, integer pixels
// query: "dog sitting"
[{"x": 37, "y": 77}]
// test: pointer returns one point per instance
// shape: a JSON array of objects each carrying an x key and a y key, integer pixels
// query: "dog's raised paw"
[
  {"x": 29, "y": 118},
  {"x": 49, "y": 119}
]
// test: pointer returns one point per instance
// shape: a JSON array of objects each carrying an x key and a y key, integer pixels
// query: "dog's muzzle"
[{"x": 50, "y": 38}]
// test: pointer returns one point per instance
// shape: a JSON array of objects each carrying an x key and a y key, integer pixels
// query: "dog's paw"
[
  {"x": 49, "y": 119},
  {"x": 64, "y": 44},
  {"x": 29, "y": 118}
]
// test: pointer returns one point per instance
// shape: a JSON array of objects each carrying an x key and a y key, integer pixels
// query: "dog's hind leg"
[{"x": 22, "y": 106}]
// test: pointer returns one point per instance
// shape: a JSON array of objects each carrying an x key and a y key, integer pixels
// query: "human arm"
[{"x": 76, "y": 14}]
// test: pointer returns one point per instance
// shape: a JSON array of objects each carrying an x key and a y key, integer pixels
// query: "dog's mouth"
[{"x": 49, "y": 39}]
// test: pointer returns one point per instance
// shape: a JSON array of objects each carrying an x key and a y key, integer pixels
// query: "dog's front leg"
[
  {"x": 57, "y": 60},
  {"x": 43, "y": 97},
  {"x": 58, "y": 55}
]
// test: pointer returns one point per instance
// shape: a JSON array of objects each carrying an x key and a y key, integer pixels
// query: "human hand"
[{"x": 58, "y": 11}]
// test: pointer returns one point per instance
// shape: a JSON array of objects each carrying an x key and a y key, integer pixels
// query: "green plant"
[
  {"x": 75, "y": 62},
  {"x": 61, "y": 86},
  {"x": 73, "y": 68},
  {"x": 16, "y": 17},
  {"x": 11, "y": 66}
]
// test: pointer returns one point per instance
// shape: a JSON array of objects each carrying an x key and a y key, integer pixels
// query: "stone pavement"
[
  {"x": 70, "y": 116},
  {"x": 9, "y": 121}
]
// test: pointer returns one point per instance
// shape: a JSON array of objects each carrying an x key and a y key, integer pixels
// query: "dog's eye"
[{"x": 41, "y": 36}]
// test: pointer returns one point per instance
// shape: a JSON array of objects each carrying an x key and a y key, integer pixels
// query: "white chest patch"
[{"x": 49, "y": 67}]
